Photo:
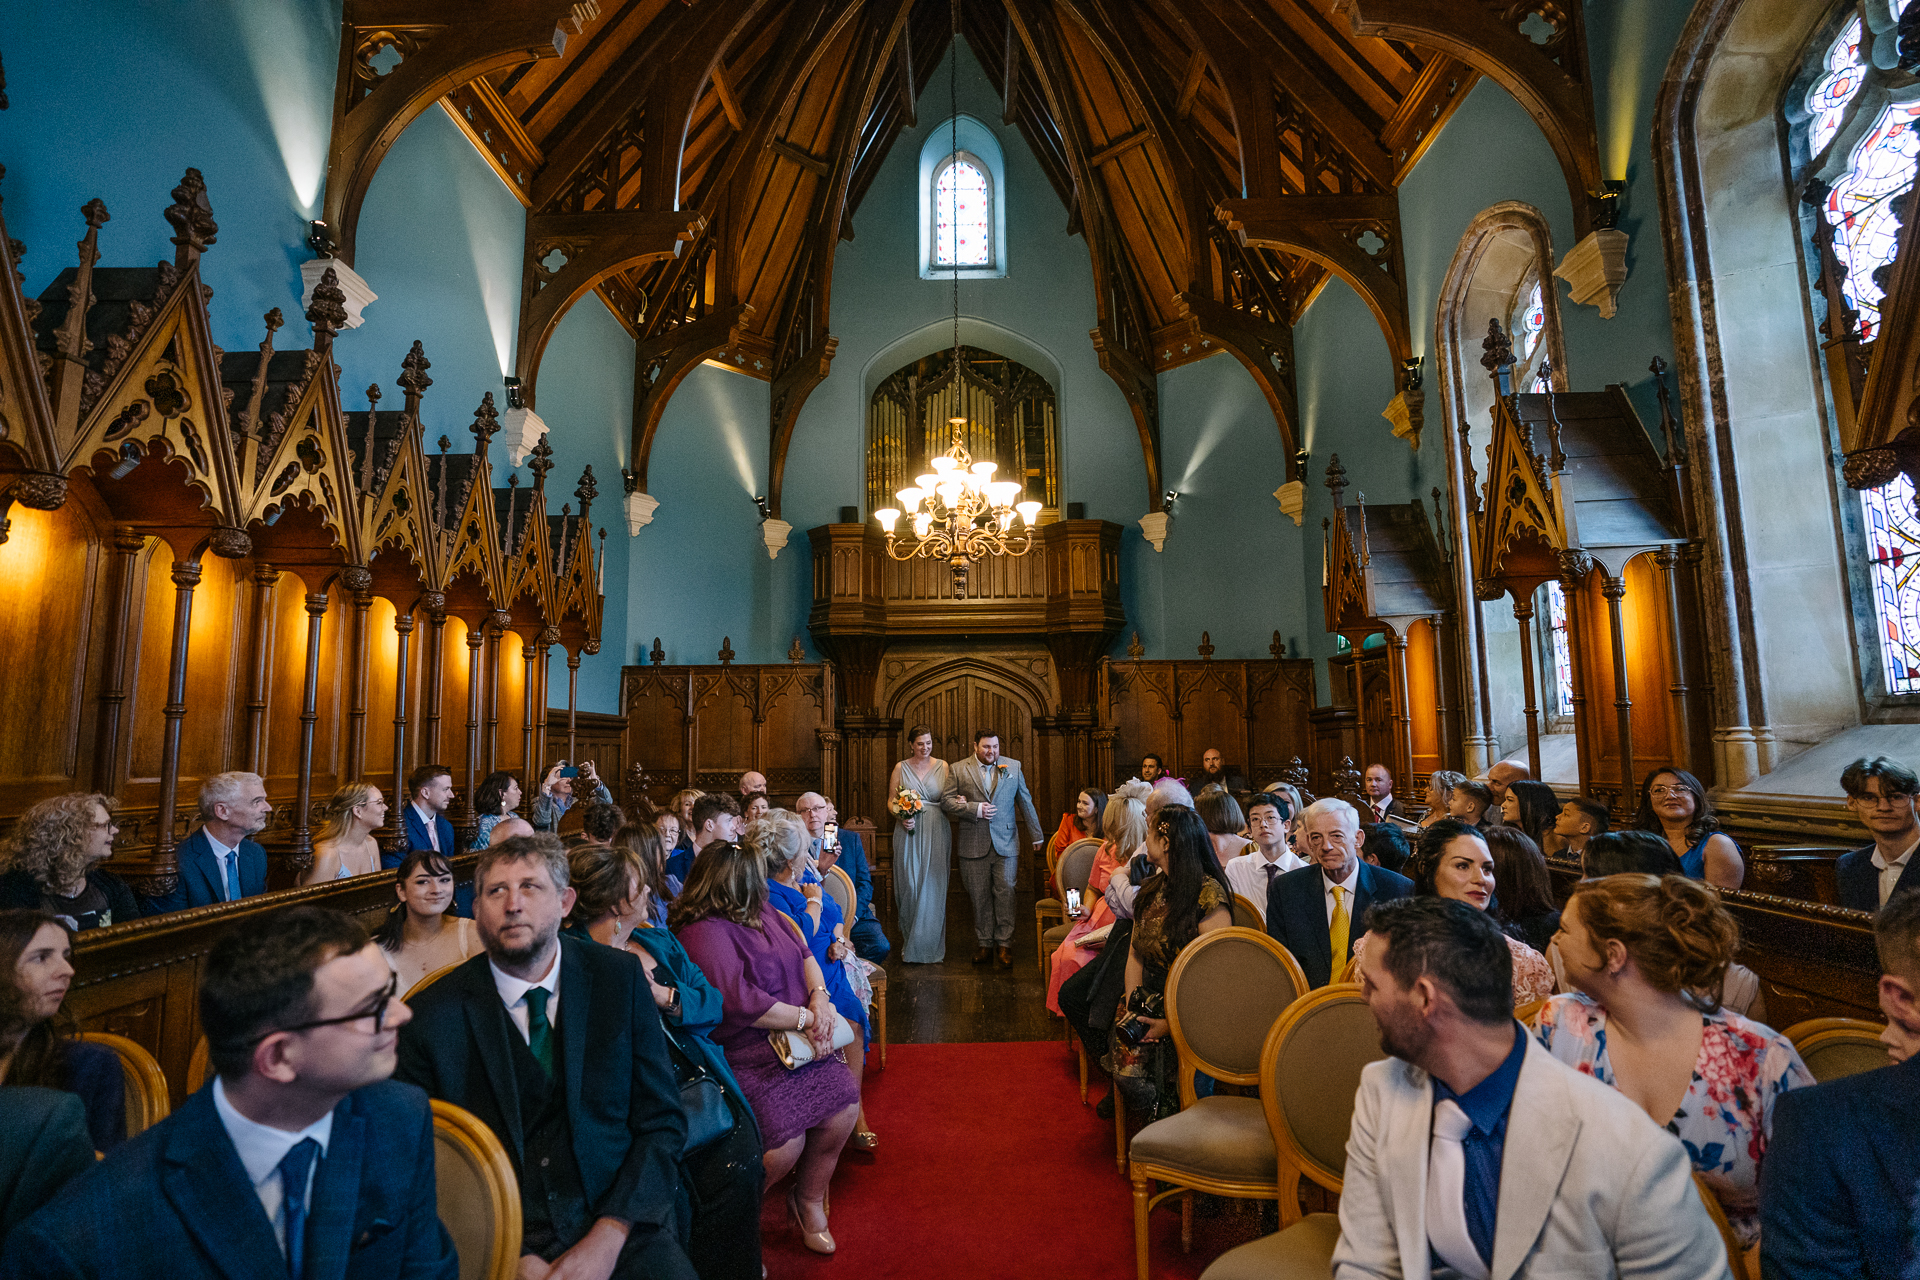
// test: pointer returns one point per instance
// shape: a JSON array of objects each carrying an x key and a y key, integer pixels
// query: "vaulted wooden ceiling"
[{"x": 696, "y": 162}]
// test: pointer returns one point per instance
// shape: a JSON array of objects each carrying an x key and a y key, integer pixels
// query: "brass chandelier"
[{"x": 969, "y": 515}]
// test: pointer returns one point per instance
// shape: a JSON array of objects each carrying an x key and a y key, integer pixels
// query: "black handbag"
[{"x": 702, "y": 1097}]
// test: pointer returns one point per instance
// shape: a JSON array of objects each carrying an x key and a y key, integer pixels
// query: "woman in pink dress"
[{"x": 1123, "y": 826}]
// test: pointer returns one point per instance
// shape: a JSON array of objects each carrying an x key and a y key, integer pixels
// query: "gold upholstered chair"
[
  {"x": 199, "y": 1066},
  {"x": 1070, "y": 871},
  {"x": 1247, "y": 916},
  {"x": 431, "y": 978},
  {"x": 1309, "y": 1073},
  {"x": 1836, "y": 1047},
  {"x": 1226, "y": 989},
  {"x": 148, "y": 1099},
  {"x": 1737, "y": 1262},
  {"x": 839, "y": 887},
  {"x": 478, "y": 1195}
]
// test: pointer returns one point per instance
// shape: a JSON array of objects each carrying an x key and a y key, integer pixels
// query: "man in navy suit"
[
  {"x": 1881, "y": 793},
  {"x": 847, "y": 853},
  {"x": 301, "y": 1159},
  {"x": 1843, "y": 1162},
  {"x": 429, "y": 792},
  {"x": 1321, "y": 908},
  {"x": 556, "y": 1045},
  {"x": 218, "y": 863}
]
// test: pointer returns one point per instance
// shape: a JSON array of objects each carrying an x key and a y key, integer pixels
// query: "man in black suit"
[
  {"x": 218, "y": 863},
  {"x": 1214, "y": 770},
  {"x": 1377, "y": 782},
  {"x": 1881, "y": 793},
  {"x": 1843, "y": 1161},
  {"x": 1319, "y": 910},
  {"x": 556, "y": 1045},
  {"x": 301, "y": 1159}
]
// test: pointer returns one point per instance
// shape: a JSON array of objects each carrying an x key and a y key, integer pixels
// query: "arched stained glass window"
[
  {"x": 1827, "y": 100},
  {"x": 1860, "y": 207},
  {"x": 1562, "y": 693},
  {"x": 1893, "y": 558},
  {"x": 962, "y": 213},
  {"x": 1533, "y": 324}
]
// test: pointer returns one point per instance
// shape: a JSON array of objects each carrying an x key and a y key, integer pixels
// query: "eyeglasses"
[
  {"x": 375, "y": 1009},
  {"x": 1668, "y": 793}
]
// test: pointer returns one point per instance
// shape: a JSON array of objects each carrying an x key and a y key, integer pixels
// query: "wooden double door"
[{"x": 963, "y": 698}]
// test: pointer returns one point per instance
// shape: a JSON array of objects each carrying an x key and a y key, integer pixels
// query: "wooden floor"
[{"x": 956, "y": 1002}]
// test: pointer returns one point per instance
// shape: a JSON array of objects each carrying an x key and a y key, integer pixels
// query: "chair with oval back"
[
  {"x": 1309, "y": 1073},
  {"x": 1225, "y": 990},
  {"x": 1736, "y": 1254},
  {"x": 148, "y": 1099},
  {"x": 431, "y": 978},
  {"x": 200, "y": 1066},
  {"x": 839, "y": 887},
  {"x": 479, "y": 1197},
  {"x": 1836, "y": 1047},
  {"x": 1246, "y": 915},
  {"x": 1070, "y": 871}
]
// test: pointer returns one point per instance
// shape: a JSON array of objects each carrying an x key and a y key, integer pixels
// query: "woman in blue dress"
[
  {"x": 780, "y": 838},
  {"x": 1674, "y": 806}
]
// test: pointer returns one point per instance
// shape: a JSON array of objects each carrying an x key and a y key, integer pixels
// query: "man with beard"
[
  {"x": 1588, "y": 1185},
  {"x": 218, "y": 863},
  {"x": 556, "y": 1045},
  {"x": 1215, "y": 771}
]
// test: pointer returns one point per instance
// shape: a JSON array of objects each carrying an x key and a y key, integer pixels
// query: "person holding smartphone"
[{"x": 557, "y": 793}]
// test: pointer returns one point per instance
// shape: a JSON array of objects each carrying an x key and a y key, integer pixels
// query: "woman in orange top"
[
  {"x": 1125, "y": 825},
  {"x": 1082, "y": 824}
]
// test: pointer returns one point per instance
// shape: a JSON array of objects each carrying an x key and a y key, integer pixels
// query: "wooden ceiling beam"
[
  {"x": 1190, "y": 83},
  {"x": 1114, "y": 150},
  {"x": 1557, "y": 94},
  {"x": 729, "y": 102},
  {"x": 909, "y": 91},
  {"x": 1010, "y": 77},
  {"x": 805, "y": 159}
]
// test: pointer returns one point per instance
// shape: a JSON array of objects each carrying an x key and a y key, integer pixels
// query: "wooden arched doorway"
[{"x": 956, "y": 698}]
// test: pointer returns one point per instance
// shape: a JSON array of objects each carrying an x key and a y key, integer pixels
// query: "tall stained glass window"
[
  {"x": 962, "y": 214},
  {"x": 1893, "y": 558},
  {"x": 1562, "y": 694},
  {"x": 1533, "y": 324},
  {"x": 1827, "y": 100},
  {"x": 1861, "y": 208}
]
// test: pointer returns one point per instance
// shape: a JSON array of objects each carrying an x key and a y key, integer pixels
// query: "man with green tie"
[{"x": 557, "y": 1046}]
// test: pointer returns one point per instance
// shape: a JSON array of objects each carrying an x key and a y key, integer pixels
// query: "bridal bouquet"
[{"x": 905, "y": 803}]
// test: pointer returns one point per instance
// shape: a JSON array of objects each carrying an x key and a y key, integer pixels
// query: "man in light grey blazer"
[
  {"x": 1475, "y": 1153},
  {"x": 984, "y": 791}
]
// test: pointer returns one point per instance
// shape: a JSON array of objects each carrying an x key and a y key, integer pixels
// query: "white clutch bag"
[
  {"x": 795, "y": 1049},
  {"x": 1096, "y": 939}
]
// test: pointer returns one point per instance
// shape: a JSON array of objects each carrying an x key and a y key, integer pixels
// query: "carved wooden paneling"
[
  {"x": 599, "y": 738},
  {"x": 1649, "y": 649},
  {"x": 1256, "y": 713},
  {"x": 1282, "y": 697},
  {"x": 703, "y": 726},
  {"x": 44, "y": 645}
]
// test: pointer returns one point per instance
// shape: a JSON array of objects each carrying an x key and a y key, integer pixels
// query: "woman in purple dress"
[{"x": 769, "y": 982}]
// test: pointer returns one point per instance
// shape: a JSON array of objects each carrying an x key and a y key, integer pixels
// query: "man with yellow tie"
[{"x": 1318, "y": 910}]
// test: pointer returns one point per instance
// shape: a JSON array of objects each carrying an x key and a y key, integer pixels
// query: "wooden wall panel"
[
  {"x": 1643, "y": 613},
  {"x": 773, "y": 718},
  {"x": 382, "y": 651},
  {"x": 287, "y": 686},
  {"x": 218, "y": 636},
  {"x": 45, "y": 641},
  {"x": 509, "y": 745},
  {"x": 1424, "y": 700},
  {"x": 723, "y": 726},
  {"x": 791, "y": 715},
  {"x": 1279, "y": 728},
  {"x": 1212, "y": 714},
  {"x": 453, "y": 704},
  {"x": 656, "y": 710},
  {"x": 1256, "y": 713}
]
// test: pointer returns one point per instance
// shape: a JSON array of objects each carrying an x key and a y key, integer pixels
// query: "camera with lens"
[{"x": 1141, "y": 1005}]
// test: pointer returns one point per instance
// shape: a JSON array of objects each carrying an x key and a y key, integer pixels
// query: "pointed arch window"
[
  {"x": 963, "y": 213},
  {"x": 1560, "y": 649}
]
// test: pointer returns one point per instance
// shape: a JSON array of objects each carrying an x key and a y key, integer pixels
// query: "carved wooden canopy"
[
  {"x": 697, "y": 162},
  {"x": 1573, "y": 480},
  {"x": 1383, "y": 570}
]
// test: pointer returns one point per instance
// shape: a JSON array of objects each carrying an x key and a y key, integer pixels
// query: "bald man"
[
  {"x": 845, "y": 851},
  {"x": 751, "y": 782},
  {"x": 1499, "y": 778}
]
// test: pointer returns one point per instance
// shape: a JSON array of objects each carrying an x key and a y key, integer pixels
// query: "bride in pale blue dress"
[{"x": 920, "y": 848}]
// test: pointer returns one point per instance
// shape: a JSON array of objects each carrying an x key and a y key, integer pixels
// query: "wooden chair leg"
[
  {"x": 1186, "y": 1222},
  {"x": 1140, "y": 1226},
  {"x": 1289, "y": 1195},
  {"x": 880, "y": 1018},
  {"x": 1119, "y": 1129},
  {"x": 1081, "y": 1046}
]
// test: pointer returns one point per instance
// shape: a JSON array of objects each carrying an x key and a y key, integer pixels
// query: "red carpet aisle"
[{"x": 990, "y": 1168}]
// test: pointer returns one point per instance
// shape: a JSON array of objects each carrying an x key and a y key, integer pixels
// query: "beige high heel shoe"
[{"x": 817, "y": 1241}]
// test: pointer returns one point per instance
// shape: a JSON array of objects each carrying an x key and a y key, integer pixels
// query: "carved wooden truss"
[
  {"x": 1574, "y": 487},
  {"x": 697, "y": 164},
  {"x": 111, "y": 378}
]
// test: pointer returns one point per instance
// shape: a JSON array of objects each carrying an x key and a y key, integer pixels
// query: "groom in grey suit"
[{"x": 983, "y": 792}]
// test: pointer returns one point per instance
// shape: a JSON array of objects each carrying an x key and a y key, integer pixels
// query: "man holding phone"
[
  {"x": 556, "y": 793},
  {"x": 830, "y": 847}
]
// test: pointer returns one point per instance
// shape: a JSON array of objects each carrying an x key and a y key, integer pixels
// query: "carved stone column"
[
  {"x": 266, "y": 581},
  {"x": 1613, "y": 589},
  {"x": 109, "y": 772},
  {"x": 186, "y": 577},
  {"x": 302, "y": 854},
  {"x": 360, "y": 583},
  {"x": 403, "y": 635},
  {"x": 1523, "y": 614},
  {"x": 1574, "y": 567}
]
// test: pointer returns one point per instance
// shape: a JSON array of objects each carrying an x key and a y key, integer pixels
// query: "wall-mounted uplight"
[
  {"x": 1170, "y": 499},
  {"x": 760, "y": 501},
  {"x": 515, "y": 399},
  {"x": 320, "y": 239}
]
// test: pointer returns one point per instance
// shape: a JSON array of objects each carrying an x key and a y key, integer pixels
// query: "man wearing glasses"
[
  {"x": 556, "y": 1045},
  {"x": 301, "y": 1159},
  {"x": 1881, "y": 793}
]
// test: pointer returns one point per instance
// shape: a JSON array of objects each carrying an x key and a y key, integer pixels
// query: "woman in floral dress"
[{"x": 1645, "y": 956}]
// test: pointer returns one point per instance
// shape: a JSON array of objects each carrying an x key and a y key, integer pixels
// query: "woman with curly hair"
[
  {"x": 495, "y": 801},
  {"x": 53, "y": 863},
  {"x": 1440, "y": 785},
  {"x": 36, "y": 959},
  {"x": 345, "y": 846},
  {"x": 1646, "y": 957},
  {"x": 1674, "y": 805}
]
